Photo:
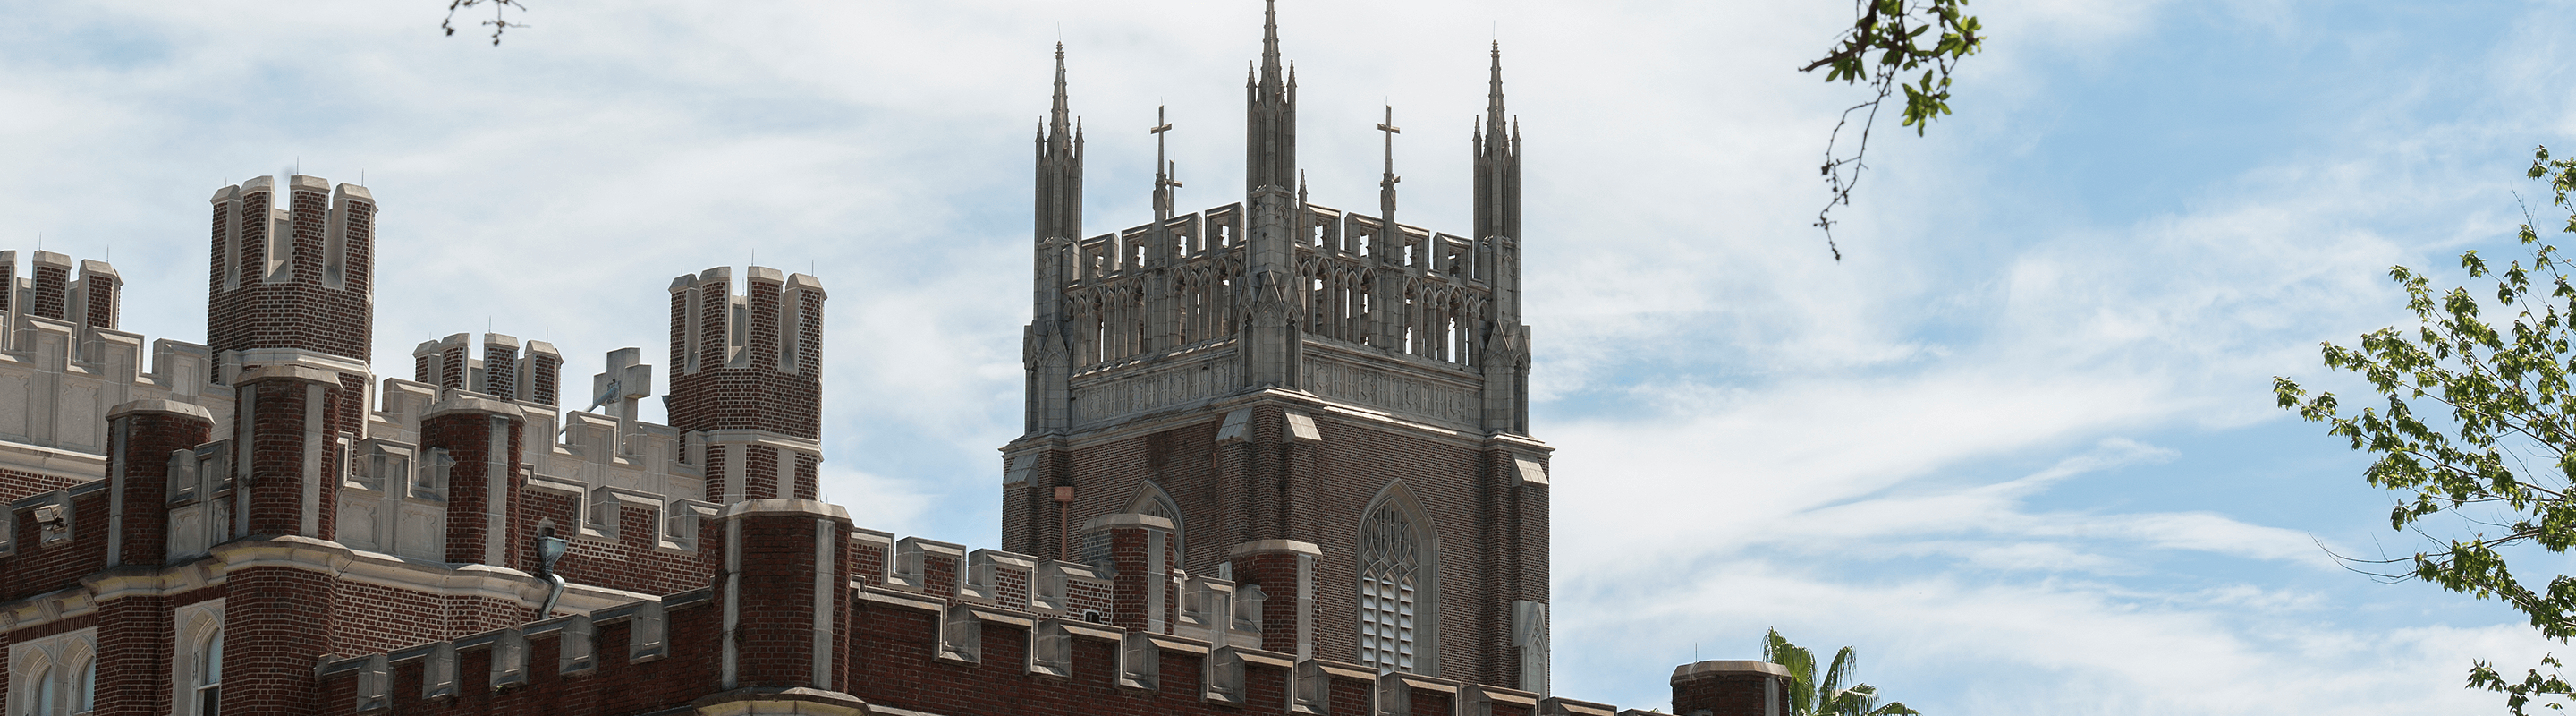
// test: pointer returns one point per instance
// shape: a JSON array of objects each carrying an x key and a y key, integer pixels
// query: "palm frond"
[{"x": 1802, "y": 671}]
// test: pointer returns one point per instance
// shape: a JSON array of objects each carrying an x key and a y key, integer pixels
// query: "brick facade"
[{"x": 1250, "y": 414}]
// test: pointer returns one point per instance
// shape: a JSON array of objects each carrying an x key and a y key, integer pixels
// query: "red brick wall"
[
  {"x": 758, "y": 396},
  {"x": 299, "y": 313},
  {"x": 1491, "y": 530},
  {"x": 634, "y": 562},
  {"x": 149, "y": 438},
  {"x": 467, "y": 437},
  {"x": 271, "y": 638},
  {"x": 15, "y": 484},
  {"x": 135, "y": 645},
  {"x": 275, "y": 418},
  {"x": 52, "y": 286},
  {"x": 37, "y": 568},
  {"x": 618, "y": 686},
  {"x": 98, "y": 293},
  {"x": 1729, "y": 694}
]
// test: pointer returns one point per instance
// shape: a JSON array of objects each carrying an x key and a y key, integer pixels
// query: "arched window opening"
[
  {"x": 209, "y": 683},
  {"x": 1152, "y": 500},
  {"x": 1390, "y": 589},
  {"x": 41, "y": 692},
  {"x": 85, "y": 695}
]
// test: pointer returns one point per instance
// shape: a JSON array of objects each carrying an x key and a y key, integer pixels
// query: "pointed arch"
[
  {"x": 1399, "y": 584},
  {"x": 79, "y": 675},
  {"x": 1152, "y": 500},
  {"x": 197, "y": 670},
  {"x": 32, "y": 684}
]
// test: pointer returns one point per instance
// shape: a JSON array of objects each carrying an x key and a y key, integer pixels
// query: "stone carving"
[
  {"x": 1411, "y": 393},
  {"x": 1103, "y": 397}
]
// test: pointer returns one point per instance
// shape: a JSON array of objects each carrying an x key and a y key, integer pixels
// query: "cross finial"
[
  {"x": 1386, "y": 185},
  {"x": 1391, "y": 130},
  {"x": 1164, "y": 170}
]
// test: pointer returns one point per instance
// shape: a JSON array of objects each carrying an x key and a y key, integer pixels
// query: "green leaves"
[
  {"x": 1810, "y": 695},
  {"x": 2479, "y": 421},
  {"x": 1889, "y": 39}
]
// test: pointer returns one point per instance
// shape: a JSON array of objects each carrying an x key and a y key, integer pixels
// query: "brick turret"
[
  {"x": 1730, "y": 688},
  {"x": 297, "y": 277},
  {"x": 746, "y": 379}
]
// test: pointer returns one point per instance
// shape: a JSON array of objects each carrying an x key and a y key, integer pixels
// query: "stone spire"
[
  {"x": 1059, "y": 165},
  {"x": 1506, "y": 342},
  {"x": 1498, "y": 181},
  {"x": 1493, "y": 95},
  {"x": 1272, "y": 340},
  {"x": 1270, "y": 113},
  {"x": 1061, "y": 114},
  {"x": 1058, "y": 217}
]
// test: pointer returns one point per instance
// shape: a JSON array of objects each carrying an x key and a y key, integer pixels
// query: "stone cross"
[
  {"x": 1386, "y": 186},
  {"x": 1163, "y": 170},
  {"x": 624, "y": 383}
]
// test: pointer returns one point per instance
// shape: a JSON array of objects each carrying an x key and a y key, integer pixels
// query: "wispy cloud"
[{"x": 1946, "y": 449}]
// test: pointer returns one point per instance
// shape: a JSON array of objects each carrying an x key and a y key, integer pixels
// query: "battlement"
[
  {"x": 63, "y": 364},
  {"x": 292, "y": 268},
  {"x": 921, "y": 625},
  {"x": 618, "y": 488},
  {"x": 501, "y": 372},
  {"x": 747, "y": 361},
  {"x": 775, "y": 324}
]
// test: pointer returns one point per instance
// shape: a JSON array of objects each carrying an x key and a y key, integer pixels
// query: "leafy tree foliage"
[
  {"x": 1810, "y": 695},
  {"x": 1888, "y": 40},
  {"x": 2479, "y": 422}
]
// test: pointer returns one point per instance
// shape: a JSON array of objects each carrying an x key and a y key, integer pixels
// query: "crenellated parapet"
[
  {"x": 854, "y": 619},
  {"x": 292, "y": 270},
  {"x": 619, "y": 489},
  {"x": 746, "y": 381},
  {"x": 64, "y": 366},
  {"x": 500, "y": 370}
]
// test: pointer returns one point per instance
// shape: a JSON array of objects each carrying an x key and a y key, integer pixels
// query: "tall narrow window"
[
  {"x": 43, "y": 691},
  {"x": 85, "y": 697},
  {"x": 1390, "y": 585},
  {"x": 210, "y": 676}
]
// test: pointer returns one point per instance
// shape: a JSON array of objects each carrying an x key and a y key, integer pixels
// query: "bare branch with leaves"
[
  {"x": 499, "y": 23},
  {"x": 1888, "y": 40},
  {"x": 2479, "y": 423}
]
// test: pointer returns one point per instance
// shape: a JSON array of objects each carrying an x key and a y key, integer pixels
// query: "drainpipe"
[{"x": 549, "y": 549}]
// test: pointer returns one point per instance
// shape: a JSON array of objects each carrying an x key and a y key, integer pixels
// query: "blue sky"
[{"x": 2018, "y": 447}]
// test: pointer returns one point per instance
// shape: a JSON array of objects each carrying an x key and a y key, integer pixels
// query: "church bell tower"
[{"x": 1327, "y": 408}]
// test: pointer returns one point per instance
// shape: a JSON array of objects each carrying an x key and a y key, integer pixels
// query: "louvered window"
[{"x": 1390, "y": 561}]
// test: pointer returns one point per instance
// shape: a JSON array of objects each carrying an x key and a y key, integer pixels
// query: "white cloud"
[{"x": 1919, "y": 449}]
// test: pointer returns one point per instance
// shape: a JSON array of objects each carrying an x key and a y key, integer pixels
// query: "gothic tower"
[{"x": 1327, "y": 407}]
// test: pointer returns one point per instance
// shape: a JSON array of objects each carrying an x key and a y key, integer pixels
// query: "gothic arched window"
[
  {"x": 1152, "y": 500},
  {"x": 1396, "y": 594},
  {"x": 209, "y": 672},
  {"x": 42, "y": 692}
]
